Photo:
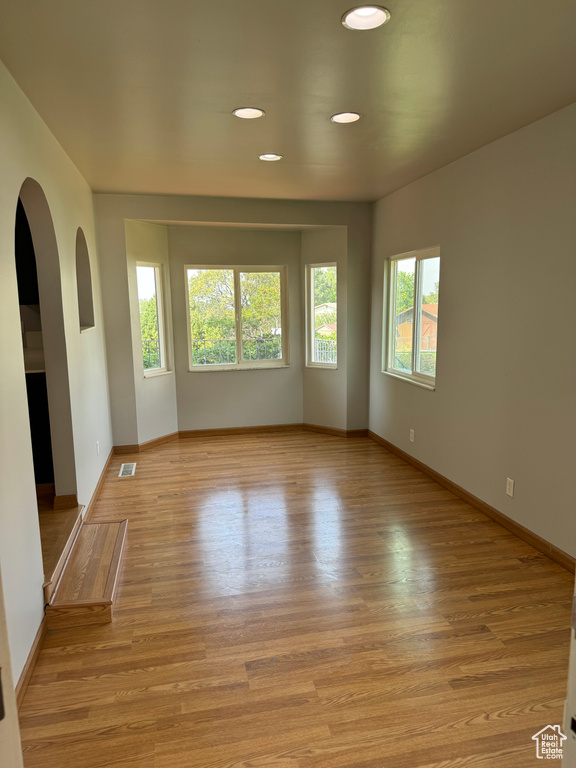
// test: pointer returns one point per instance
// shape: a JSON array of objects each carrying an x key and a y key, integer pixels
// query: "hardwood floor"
[
  {"x": 56, "y": 527},
  {"x": 304, "y": 601}
]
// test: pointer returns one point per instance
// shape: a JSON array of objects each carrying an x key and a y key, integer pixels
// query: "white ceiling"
[{"x": 140, "y": 92}]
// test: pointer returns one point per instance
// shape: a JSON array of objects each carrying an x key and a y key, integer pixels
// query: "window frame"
[
  {"x": 160, "y": 308},
  {"x": 241, "y": 364},
  {"x": 416, "y": 377},
  {"x": 311, "y": 317}
]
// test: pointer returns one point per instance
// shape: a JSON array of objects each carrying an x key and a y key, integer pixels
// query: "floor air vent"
[{"x": 127, "y": 470}]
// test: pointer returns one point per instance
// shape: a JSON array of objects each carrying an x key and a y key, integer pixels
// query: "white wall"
[
  {"x": 28, "y": 149},
  {"x": 155, "y": 395},
  {"x": 10, "y": 746},
  {"x": 216, "y": 399},
  {"x": 505, "y": 403},
  {"x": 358, "y": 277},
  {"x": 325, "y": 390}
]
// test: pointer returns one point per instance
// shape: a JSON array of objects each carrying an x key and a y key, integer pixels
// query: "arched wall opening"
[
  {"x": 51, "y": 316},
  {"x": 84, "y": 283},
  {"x": 31, "y": 325}
]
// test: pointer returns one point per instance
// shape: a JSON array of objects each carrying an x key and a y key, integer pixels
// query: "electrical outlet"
[
  {"x": 509, "y": 487},
  {"x": 411, "y": 435},
  {"x": 97, "y": 448}
]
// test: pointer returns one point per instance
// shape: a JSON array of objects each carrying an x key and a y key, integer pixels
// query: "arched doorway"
[{"x": 46, "y": 364}]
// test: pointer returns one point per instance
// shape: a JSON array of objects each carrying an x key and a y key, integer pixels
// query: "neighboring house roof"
[
  {"x": 329, "y": 306},
  {"x": 327, "y": 329},
  {"x": 428, "y": 310}
]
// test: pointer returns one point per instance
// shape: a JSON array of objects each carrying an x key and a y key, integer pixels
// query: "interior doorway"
[
  {"x": 46, "y": 369},
  {"x": 31, "y": 324}
]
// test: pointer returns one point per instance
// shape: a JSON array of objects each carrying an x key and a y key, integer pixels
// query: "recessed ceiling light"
[
  {"x": 345, "y": 117},
  {"x": 248, "y": 113},
  {"x": 270, "y": 157},
  {"x": 366, "y": 17}
]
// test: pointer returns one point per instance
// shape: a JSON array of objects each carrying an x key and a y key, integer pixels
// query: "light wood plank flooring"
[
  {"x": 304, "y": 601},
  {"x": 56, "y": 527}
]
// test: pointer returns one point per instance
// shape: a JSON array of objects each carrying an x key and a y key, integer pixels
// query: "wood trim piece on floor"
[
  {"x": 122, "y": 450},
  {"x": 159, "y": 441},
  {"x": 334, "y": 431},
  {"x": 65, "y": 502},
  {"x": 357, "y": 433},
  {"x": 553, "y": 552},
  {"x": 324, "y": 430},
  {"x": 24, "y": 680},
  {"x": 92, "y": 559},
  {"x": 273, "y": 428},
  {"x": 184, "y": 435},
  {"x": 114, "y": 572}
]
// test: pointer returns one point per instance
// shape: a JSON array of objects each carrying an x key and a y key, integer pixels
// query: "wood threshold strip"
[
  {"x": 26, "y": 675},
  {"x": 83, "y": 604},
  {"x": 114, "y": 574},
  {"x": 553, "y": 552}
]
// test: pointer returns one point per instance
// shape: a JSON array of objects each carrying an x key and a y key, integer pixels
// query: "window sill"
[
  {"x": 86, "y": 328},
  {"x": 430, "y": 387},
  {"x": 227, "y": 368},
  {"x": 322, "y": 366},
  {"x": 153, "y": 374}
]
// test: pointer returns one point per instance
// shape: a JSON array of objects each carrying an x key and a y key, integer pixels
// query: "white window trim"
[
  {"x": 421, "y": 379},
  {"x": 151, "y": 372},
  {"x": 242, "y": 365},
  {"x": 310, "y": 317},
  {"x": 158, "y": 276}
]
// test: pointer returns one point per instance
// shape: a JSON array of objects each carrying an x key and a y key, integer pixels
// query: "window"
[
  {"x": 236, "y": 317},
  {"x": 322, "y": 315},
  {"x": 149, "y": 279},
  {"x": 413, "y": 315}
]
